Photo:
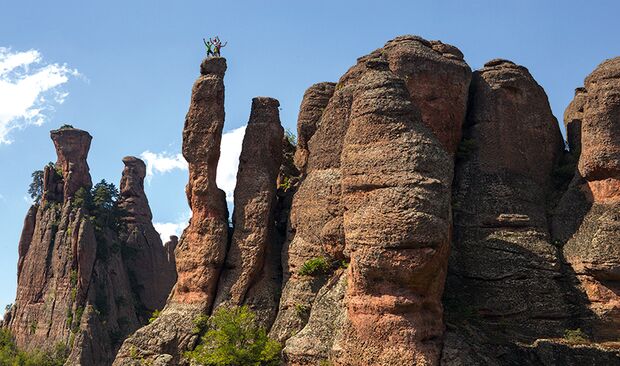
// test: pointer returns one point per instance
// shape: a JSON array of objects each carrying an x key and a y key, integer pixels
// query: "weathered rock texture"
[
  {"x": 317, "y": 216},
  {"x": 72, "y": 147},
  {"x": 74, "y": 282},
  {"x": 312, "y": 106},
  {"x": 201, "y": 251},
  {"x": 396, "y": 180},
  {"x": 411, "y": 174},
  {"x": 252, "y": 272},
  {"x": 588, "y": 216}
]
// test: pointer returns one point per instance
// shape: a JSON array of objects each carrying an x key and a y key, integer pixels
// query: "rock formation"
[
  {"x": 201, "y": 251},
  {"x": 317, "y": 228},
  {"x": 501, "y": 239},
  {"x": 427, "y": 216},
  {"x": 588, "y": 216},
  {"x": 74, "y": 276},
  {"x": 151, "y": 271},
  {"x": 252, "y": 274},
  {"x": 396, "y": 189}
]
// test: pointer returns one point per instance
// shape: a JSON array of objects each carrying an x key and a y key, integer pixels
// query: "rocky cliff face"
[
  {"x": 434, "y": 217},
  {"x": 76, "y": 283}
]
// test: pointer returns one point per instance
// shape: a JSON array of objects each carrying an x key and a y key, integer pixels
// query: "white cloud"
[
  {"x": 162, "y": 163},
  {"x": 226, "y": 169},
  {"x": 167, "y": 229},
  {"x": 24, "y": 83},
  {"x": 2, "y": 198},
  {"x": 229, "y": 161}
]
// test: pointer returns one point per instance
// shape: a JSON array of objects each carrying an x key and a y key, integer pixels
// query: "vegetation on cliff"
[
  {"x": 11, "y": 356},
  {"x": 231, "y": 336}
]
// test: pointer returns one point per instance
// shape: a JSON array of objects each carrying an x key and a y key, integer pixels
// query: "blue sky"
[{"x": 123, "y": 70}]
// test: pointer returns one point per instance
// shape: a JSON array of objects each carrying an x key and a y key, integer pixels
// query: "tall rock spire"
[
  {"x": 201, "y": 251},
  {"x": 153, "y": 274},
  {"x": 251, "y": 274},
  {"x": 72, "y": 146}
]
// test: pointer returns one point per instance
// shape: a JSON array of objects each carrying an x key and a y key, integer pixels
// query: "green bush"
[
  {"x": 314, "y": 266},
  {"x": 65, "y": 127},
  {"x": 576, "y": 336},
  {"x": 231, "y": 336},
  {"x": 11, "y": 356},
  {"x": 154, "y": 316}
]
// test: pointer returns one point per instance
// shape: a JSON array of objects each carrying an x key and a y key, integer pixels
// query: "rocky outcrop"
[
  {"x": 410, "y": 174},
  {"x": 252, "y": 274},
  {"x": 587, "y": 218},
  {"x": 74, "y": 284},
  {"x": 438, "y": 80},
  {"x": 312, "y": 107},
  {"x": 201, "y": 251},
  {"x": 396, "y": 189},
  {"x": 151, "y": 272},
  {"x": 504, "y": 284},
  {"x": 317, "y": 216},
  {"x": 72, "y": 146}
]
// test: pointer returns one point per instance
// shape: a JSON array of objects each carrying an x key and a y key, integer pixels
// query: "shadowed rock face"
[
  {"x": 201, "y": 251},
  {"x": 504, "y": 272},
  {"x": 588, "y": 216},
  {"x": 151, "y": 272},
  {"x": 252, "y": 274},
  {"x": 72, "y": 147},
  {"x": 75, "y": 283},
  {"x": 396, "y": 189}
]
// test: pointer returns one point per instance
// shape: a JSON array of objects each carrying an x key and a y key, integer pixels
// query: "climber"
[
  {"x": 217, "y": 44},
  {"x": 209, "y": 46}
]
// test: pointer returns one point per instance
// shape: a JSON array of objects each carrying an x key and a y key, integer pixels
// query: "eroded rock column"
[
  {"x": 201, "y": 251},
  {"x": 396, "y": 179},
  {"x": 251, "y": 272}
]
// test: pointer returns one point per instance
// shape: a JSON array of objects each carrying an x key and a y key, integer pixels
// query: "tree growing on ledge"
[{"x": 36, "y": 187}]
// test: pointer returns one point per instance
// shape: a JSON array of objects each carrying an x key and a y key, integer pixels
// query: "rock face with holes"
[
  {"x": 251, "y": 275},
  {"x": 588, "y": 216},
  {"x": 75, "y": 286}
]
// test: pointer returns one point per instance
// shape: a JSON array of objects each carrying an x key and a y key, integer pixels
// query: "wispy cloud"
[
  {"x": 161, "y": 163},
  {"x": 29, "y": 89}
]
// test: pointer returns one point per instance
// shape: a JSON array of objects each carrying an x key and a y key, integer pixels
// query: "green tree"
[
  {"x": 11, "y": 356},
  {"x": 36, "y": 187},
  {"x": 231, "y": 336}
]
